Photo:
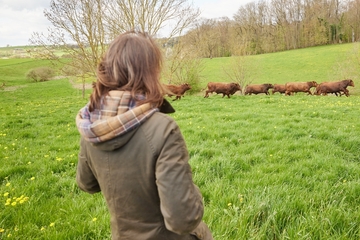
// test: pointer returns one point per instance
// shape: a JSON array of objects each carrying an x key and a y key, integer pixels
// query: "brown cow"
[
  {"x": 258, "y": 88},
  {"x": 177, "y": 90},
  {"x": 224, "y": 88},
  {"x": 280, "y": 88},
  {"x": 335, "y": 87},
  {"x": 293, "y": 87}
]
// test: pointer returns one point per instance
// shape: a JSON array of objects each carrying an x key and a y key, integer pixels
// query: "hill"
[{"x": 322, "y": 63}]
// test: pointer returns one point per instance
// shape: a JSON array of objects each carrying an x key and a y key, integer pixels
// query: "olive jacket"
[{"x": 146, "y": 180}]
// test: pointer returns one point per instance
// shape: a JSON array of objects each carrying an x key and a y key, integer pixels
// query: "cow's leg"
[{"x": 206, "y": 94}]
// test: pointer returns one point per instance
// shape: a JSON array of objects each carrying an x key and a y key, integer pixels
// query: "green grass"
[
  {"x": 283, "y": 165},
  {"x": 269, "y": 167},
  {"x": 13, "y": 71},
  {"x": 320, "y": 64}
]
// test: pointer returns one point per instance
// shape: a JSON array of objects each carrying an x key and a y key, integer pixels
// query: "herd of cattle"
[{"x": 227, "y": 89}]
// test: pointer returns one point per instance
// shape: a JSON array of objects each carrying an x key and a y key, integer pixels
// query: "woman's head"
[{"x": 131, "y": 63}]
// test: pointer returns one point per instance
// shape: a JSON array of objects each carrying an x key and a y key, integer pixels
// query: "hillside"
[{"x": 322, "y": 63}]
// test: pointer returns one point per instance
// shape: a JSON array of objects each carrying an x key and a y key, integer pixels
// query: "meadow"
[{"x": 269, "y": 167}]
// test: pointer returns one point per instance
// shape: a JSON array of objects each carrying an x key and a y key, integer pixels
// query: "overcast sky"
[{"x": 20, "y": 18}]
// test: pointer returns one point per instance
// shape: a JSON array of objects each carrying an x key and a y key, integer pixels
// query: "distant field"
[
  {"x": 325, "y": 63},
  {"x": 269, "y": 167}
]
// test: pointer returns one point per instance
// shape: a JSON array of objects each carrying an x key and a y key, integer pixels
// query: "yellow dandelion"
[
  {"x": 229, "y": 204},
  {"x": 42, "y": 228},
  {"x": 6, "y": 194},
  {"x": 2, "y": 230},
  {"x": 13, "y": 204},
  {"x": 29, "y": 163},
  {"x": 16, "y": 229},
  {"x": 33, "y": 178},
  {"x": 52, "y": 224},
  {"x": 9, "y": 235},
  {"x": 344, "y": 181},
  {"x": 7, "y": 184},
  {"x": 94, "y": 219},
  {"x": 22, "y": 201},
  {"x": 46, "y": 155}
]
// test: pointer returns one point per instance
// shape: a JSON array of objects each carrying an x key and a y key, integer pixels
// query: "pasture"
[{"x": 269, "y": 167}]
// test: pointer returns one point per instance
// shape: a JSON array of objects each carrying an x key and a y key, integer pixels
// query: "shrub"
[{"x": 40, "y": 74}]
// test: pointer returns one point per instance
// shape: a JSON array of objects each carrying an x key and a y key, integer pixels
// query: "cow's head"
[
  {"x": 235, "y": 87},
  {"x": 269, "y": 85},
  {"x": 313, "y": 84},
  {"x": 186, "y": 86},
  {"x": 351, "y": 83}
]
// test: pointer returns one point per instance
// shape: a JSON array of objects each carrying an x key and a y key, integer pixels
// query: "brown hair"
[{"x": 132, "y": 63}]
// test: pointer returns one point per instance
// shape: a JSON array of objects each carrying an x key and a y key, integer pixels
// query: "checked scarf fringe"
[{"x": 117, "y": 116}]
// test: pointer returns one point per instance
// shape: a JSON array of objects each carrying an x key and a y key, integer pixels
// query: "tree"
[
  {"x": 150, "y": 16},
  {"x": 82, "y": 29},
  {"x": 78, "y": 31},
  {"x": 240, "y": 71}
]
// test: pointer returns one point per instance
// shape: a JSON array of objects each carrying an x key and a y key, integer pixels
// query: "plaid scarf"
[{"x": 117, "y": 115}]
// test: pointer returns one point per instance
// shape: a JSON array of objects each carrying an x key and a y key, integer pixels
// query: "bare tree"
[
  {"x": 83, "y": 28},
  {"x": 152, "y": 16},
  {"x": 241, "y": 70},
  {"x": 78, "y": 31}
]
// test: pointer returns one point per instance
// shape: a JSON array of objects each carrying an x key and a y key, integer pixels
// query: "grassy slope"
[
  {"x": 325, "y": 63},
  {"x": 13, "y": 71}
]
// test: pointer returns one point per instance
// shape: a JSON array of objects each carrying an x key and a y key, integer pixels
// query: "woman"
[{"x": 135, "y": 154}]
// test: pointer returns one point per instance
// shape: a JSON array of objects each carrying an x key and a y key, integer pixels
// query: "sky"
[{"x": 19, "y": 19}]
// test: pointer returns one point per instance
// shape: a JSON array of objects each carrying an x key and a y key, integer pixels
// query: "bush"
[
  {"x": 40, "y": 74},
  {"x": 188, "y": 71}
]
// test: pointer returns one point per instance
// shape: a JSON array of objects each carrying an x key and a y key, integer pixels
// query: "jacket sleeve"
[
  {"x": 180, "y": 199},
  {"x": 85, "y": 178}
]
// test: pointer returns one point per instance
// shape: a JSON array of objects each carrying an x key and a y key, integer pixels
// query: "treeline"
[{"x": 277, "y": 25}]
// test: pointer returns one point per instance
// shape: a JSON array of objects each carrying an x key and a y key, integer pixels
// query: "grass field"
[
  {"x": 269, "y": 167},
  {"x": 320, "y": 64}
]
